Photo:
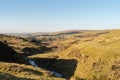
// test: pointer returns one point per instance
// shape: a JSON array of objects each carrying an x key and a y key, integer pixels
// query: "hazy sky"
[{"x": 57, "y": 15}]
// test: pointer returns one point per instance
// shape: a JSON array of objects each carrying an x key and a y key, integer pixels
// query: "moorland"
[{"x": 71, "y": 54}]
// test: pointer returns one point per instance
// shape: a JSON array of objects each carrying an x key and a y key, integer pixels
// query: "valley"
[{"x": 65, "y": 55}]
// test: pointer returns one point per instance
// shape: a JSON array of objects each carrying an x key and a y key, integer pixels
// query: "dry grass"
[
  {"x": 97, "y": 54},
  {"x": 24, "y": 72}
]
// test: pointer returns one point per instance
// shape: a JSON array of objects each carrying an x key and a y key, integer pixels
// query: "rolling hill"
[{"x": 76, "y": 54}]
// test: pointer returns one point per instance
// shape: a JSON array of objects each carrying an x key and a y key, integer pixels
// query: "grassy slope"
[
  {"x": 98, "y": 56},
  {"x": 18, "y": 43},
  {"x": 96, "y": 52},
  {"x": 14, "y": 71}
]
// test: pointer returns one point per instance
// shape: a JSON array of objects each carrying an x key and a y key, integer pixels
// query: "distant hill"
[{"x": 23, "y": 45}]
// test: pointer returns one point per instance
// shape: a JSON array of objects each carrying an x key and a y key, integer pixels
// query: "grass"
[
  {"x": 24, "y": 72},
  {"x": 97, "y": 54},
  {"x": 96, "y": 59},
  {"x": 95, "y": 51},
  {"x": 18, "y": 43}
]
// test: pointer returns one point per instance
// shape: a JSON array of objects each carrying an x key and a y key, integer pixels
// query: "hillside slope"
[
  {"x": 97, "y": 54},
  {"x": 13, "y": 71},
  {"x": 78, "y": 55},
  {"x": 12, "y": 67},
  {"x": 23, "y": 45},
  {"x": 7, "y": 54}
]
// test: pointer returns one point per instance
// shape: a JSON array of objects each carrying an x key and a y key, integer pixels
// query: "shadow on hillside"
[
  {"x": 66, "y": 67},
  {"x": 31, "y": 51},
  {"x": 8, "y": 54},
  {"x": 6, "y": 76}
]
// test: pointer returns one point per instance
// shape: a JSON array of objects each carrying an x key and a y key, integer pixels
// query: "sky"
[{"x": 22, "y": 16}]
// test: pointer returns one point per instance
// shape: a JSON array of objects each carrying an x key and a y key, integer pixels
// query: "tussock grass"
[
  {"x": 97, "y": 56},
  {"x": 14, "y": 71}
]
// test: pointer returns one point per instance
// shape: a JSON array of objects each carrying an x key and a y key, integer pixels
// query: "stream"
[{"x": 32, "y": 62}]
